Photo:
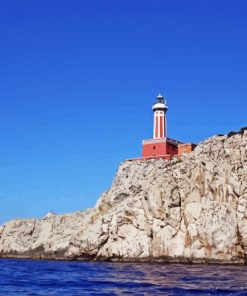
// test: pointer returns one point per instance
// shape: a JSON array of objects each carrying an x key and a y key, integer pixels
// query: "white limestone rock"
[{"x": 192, "y": 209}]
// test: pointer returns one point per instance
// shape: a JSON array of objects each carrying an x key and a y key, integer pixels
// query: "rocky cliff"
[{"x": 192, "y": 209}]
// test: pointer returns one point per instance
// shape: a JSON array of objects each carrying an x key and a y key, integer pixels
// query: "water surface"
[{"x": 28, "y": 277}]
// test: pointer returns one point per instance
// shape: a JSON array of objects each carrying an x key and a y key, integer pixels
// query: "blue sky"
[{"x": 78, "y": 79}]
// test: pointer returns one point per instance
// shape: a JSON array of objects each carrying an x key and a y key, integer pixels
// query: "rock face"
[{"x": 192, "y": 209}]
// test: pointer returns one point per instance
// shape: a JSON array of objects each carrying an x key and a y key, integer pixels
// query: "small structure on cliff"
[{"x": 160, "y": 146}]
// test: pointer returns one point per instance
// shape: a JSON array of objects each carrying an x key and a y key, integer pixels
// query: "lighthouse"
[
  {"x": 159, "y": 108},
  {"x": 160, "y": 145}
]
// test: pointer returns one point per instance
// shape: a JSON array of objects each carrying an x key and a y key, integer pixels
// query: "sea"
[{"x": 30, "y": 277}]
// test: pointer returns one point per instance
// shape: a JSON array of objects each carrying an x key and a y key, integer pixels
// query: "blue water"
[{"x": 28, "y": 277}]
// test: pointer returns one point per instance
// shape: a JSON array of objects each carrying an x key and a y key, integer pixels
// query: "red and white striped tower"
[{"x": 160, "y": 108}]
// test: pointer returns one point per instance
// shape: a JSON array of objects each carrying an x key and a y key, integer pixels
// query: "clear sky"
[{"x": 78, "y": 79}]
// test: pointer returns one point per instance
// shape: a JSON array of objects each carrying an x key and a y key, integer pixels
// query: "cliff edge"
[{"x": 190, "y": 209}]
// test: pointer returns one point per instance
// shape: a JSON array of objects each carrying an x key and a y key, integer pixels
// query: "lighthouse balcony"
[
  {"x": 161, "y": 140},
  {"x": 160, "y": 106}
]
